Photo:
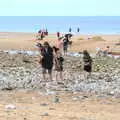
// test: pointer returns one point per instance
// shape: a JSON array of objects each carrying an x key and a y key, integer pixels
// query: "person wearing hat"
[{"x": 47, "y": 60}]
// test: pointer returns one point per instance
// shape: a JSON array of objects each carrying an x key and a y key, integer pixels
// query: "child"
[
  {"x": 58, "y": 62},
  {"x": 87, "y": 63}
]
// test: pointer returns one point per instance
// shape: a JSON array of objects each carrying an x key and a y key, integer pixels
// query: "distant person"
[
  {"x": 58, "y": 34},
  {"x": 42, "y": 35},
  {"x": 87, "y": 63},
  {"x": 69, "y": 36},
  {"x": 58, "y": 62},
  {"x": 70, "y": 30},
  {"x": 47, "y": 60},
  {"x": 46, "y": 32},
  {"x": 59, "y": 44},
  {"x": 39, "y": 32},
  {"x": 65, "y": 45},
  {"x": 78, "y": 30}
]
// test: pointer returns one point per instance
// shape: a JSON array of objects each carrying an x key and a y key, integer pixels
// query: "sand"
[
  {"x": 27, "y": 41},
  {"x": 30, "y": 106},
  {"x": 28, "y": 103}
]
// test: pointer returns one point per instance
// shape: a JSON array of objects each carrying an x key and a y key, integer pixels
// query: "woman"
[
  {"x": 47, "y": 60},
  {"x": 58, "y": 62},
  {"x": 87, "y": 63}
]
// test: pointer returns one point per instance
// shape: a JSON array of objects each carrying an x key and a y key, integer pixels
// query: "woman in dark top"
[
  {"x": 87, "y": 62},
  {"x": 47, "y": 60}
]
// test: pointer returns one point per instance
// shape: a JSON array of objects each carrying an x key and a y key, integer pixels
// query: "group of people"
[
  {"x": 42, "y": 34},
  {"x": 51, "y": 58}
]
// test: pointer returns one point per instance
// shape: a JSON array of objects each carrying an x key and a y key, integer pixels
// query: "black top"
[
  {"x": 87, "y": 60},
  {"x": 47, "y": 61},
  {"x": 65, "y": 42}
]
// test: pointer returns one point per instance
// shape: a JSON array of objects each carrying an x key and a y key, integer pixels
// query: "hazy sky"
[{"x": 59, "y": 7}]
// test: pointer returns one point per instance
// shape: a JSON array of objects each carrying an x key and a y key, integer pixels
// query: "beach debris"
[
  {"x": 45, "y": 114},
  {"x": 44, "y": 104},
  {"x": 104, "y": 79},
  {"x": 56, "y": 99},
  {"x": 33, "y": 98},
  {"x": 10, "y": 106}
]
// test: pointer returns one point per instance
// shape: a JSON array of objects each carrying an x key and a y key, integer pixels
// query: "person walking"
[
  {"x": 47, "y": 60},
  {"x": 65, "y": 45}
]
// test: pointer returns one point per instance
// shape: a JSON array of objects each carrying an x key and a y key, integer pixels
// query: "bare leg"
[
  {"x": 85, "y": 75},
  {"x": 89, "y": 75},
  {"x": 56, "y": 75},
  {"x": 44, "y": 76},
  {"x": 50, "y": 77},
  {"x": 61, "y": 76}
]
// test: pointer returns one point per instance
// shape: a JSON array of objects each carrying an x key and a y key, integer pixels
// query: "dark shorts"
[
  {"x": 65, "y": 48},
  {"x": 44, "y": 71},
  {"x": 59, "y": 69},
  {"x": 88, "y": 68}
]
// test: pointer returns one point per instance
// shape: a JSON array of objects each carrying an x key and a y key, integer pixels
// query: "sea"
[{"x": 86, "y": 24}]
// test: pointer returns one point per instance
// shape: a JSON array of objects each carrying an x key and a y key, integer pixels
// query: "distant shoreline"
[{"x": 54, "y": 33}]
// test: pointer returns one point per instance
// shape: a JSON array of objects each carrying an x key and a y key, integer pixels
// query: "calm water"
[{"x": 87, "y": 25}]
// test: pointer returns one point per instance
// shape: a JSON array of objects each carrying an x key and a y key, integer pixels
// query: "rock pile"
[{"x": 23, "y": 72}]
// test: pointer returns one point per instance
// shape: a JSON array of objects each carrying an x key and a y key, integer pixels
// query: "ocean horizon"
[{"x": 87, "y": 24}]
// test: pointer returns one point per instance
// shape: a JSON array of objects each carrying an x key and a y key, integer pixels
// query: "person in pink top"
[
  {"x": 59, "y": 44},
  {"x": 58, "y": 34}
]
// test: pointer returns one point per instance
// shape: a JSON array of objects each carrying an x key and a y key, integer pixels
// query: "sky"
[{"x": 59, "y": 8}]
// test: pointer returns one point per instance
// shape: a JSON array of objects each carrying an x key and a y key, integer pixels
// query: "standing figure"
[
  {"x": 46, "y": 32},
  {"x": 87, "y": 63},
  {"x": 70, "y": 29},
  {"x": 78, "y": 30},
  {"x": 65, "y": 45},
  {"x": 58, "y": 34},
  {"x": 58, "y": 62},
  {"x": 47, "y": 60}
]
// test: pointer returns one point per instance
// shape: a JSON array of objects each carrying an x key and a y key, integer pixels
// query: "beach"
[
  {"x": 31, "y": 98},
  {"x": 36, "y": 106},
  {"x": 27, "y": 41}
]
